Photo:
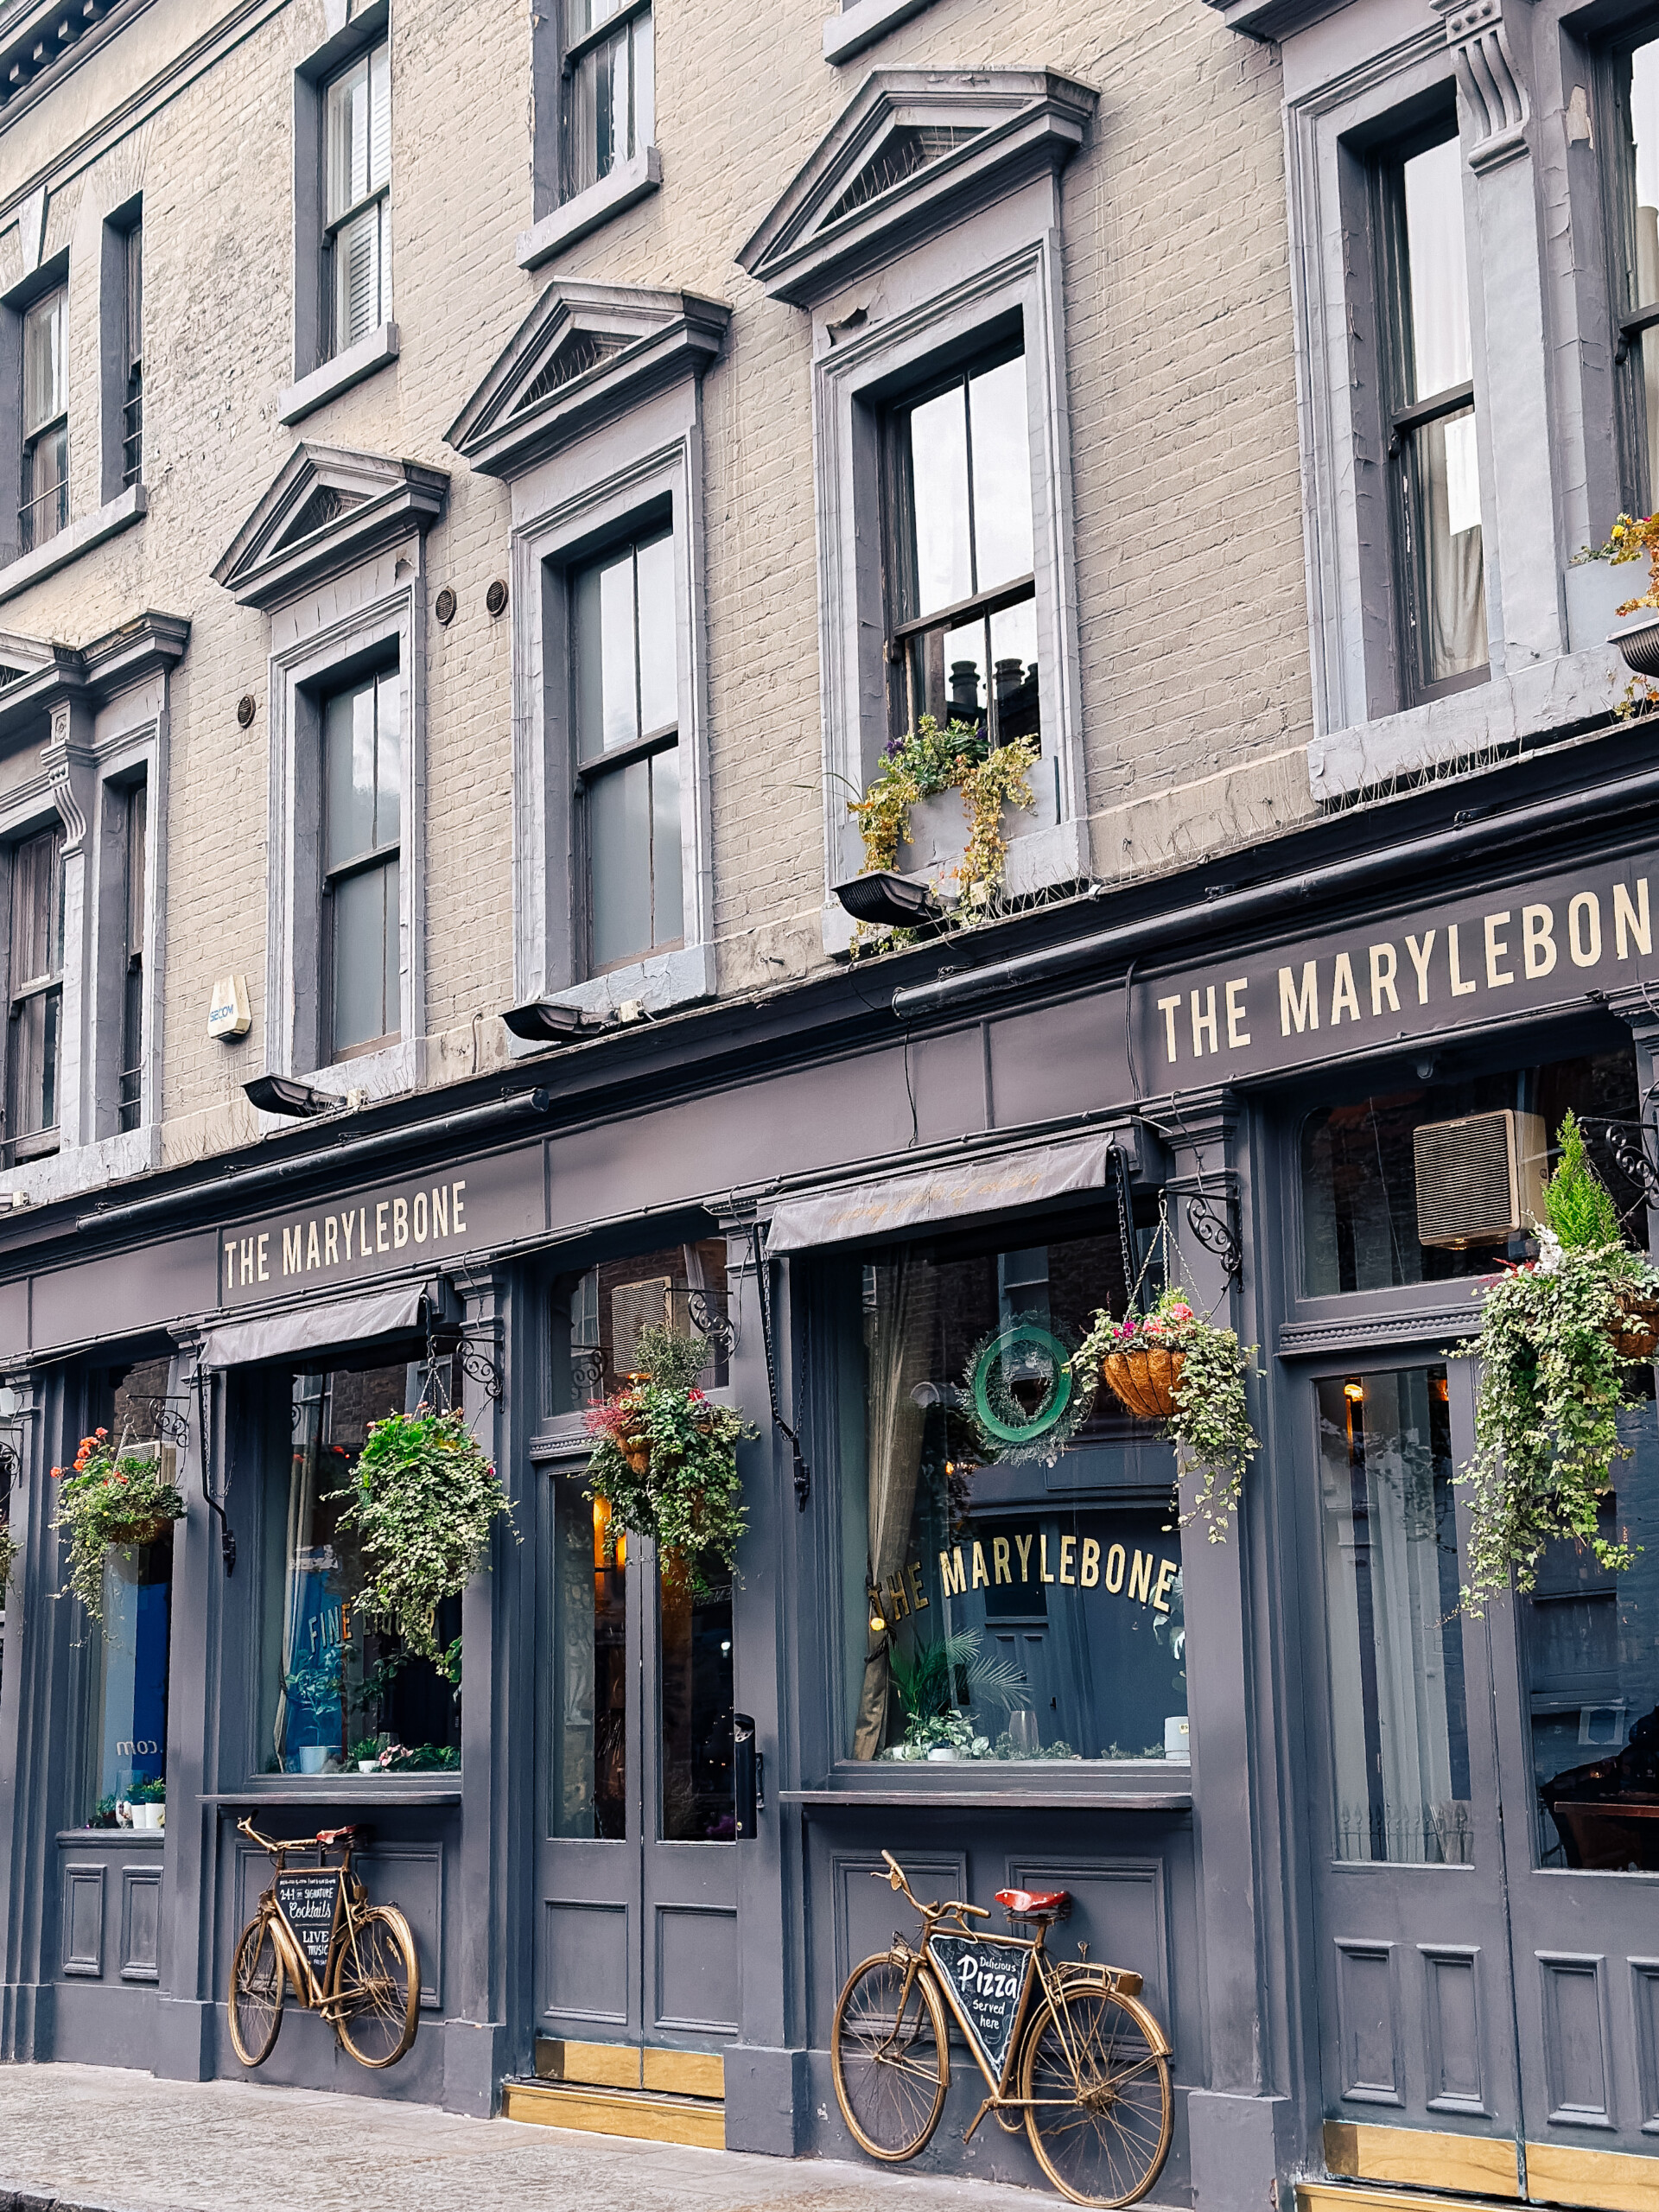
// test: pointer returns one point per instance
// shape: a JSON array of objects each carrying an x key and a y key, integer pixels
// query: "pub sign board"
[
  {"x": 361, "y": 1234},
  {"x": 309, "y": 1898},
  {"x": 987, "y": 1977},
  {"x": 1547, "y": 943}
]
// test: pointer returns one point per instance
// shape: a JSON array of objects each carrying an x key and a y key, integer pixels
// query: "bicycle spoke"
[
  {"x": 1099, "y": 2121},
  {"x": 887, "y": 2060}
]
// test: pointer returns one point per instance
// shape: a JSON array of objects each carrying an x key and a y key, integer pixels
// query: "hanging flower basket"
[
  {"x": 1634, "y": 1330},
  {"x": 664, "y": 1457},
  {"x": 1174, "y": 1367},
  {"x": 1143, "y": 1376},
  {"x": 112, "y": 1496}
]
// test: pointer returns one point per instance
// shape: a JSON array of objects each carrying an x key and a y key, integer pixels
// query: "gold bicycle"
[
  {"x": 1092, "y": 2061},
  {"x": 316, "y": 1933}
]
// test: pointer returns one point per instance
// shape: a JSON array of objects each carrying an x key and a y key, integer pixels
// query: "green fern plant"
[
  {"x": 925, "y": 1679},
  {"x": 1578, "y": 1207}
]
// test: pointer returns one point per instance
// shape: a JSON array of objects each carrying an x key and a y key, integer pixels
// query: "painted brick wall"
[{"x": 1188, "y": 545}]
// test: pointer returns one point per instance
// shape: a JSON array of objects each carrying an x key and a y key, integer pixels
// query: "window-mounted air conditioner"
[{"x": 1480, "y": 1180}]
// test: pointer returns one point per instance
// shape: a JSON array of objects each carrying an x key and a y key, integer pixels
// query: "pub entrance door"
[{"x": 636, "y": 1931}]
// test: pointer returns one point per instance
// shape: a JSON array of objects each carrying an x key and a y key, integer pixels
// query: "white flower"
[{"x": 1549, "y": 1252}]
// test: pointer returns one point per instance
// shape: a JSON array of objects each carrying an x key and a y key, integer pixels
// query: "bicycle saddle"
[
  {"x": 1035, "y": 1904},
  {"x": 336, "y": 1835}
]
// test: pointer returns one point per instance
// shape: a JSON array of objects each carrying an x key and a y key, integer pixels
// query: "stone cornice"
[
  {"x": 326, "y": 509},
  {"x": 49, "y": 675}
]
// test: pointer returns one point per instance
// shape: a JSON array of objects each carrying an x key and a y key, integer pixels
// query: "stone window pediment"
[
  {"x": 915, "y": 152},
  {"x": 38, "y": 674},
  {"x": 327, "y": 510},
  {"x": 584, "y": 355}
]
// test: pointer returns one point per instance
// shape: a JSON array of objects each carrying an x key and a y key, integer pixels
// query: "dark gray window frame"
[
  {"x": 563, "y": 212},
  {"x": 1608, "y": 60},
  {"x": 121, "y": 374},
  {"x": 47, "y": 278},
  {"x": 385, "y": 661},
  {"x": 35, "y": 1144},
  {"x": 312, "y": 308}
]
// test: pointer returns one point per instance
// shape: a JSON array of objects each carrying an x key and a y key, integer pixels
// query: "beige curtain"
[
  {"x": 301, "y": 1504},
  {"x": 897, "y": 1361}
]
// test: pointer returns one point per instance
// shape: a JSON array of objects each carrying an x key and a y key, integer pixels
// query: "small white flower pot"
[
  {"x": 942, "y": 1751},
  {"x": 310, "y": 1758},
  {"x": 367, "y": 1766},
  {"x": 148, "y": 1816}
]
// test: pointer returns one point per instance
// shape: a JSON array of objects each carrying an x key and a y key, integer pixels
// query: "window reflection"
[
  {"x": 1592, "y": 1646},
  {"x": 698, "y": 1803},
  {"x": 598, "y": 1316},
  {"x": 1394, "y": 1641},
  {"x": 128, "y": 1730},
  {"x": 590, "y": 1672},
  {"x": 1639, "y": 304}
]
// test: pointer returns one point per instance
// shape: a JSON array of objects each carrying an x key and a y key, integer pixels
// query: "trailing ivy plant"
[
  {"x": 929, "y": 760},
  {"x": 664, "y": 1458},
  {"x": 423, "y": 1498},
  {"x": 108, "y": 1497},
  {"x": 1209, "y": 1421},
  {"x": 1552, "y": 1385}
]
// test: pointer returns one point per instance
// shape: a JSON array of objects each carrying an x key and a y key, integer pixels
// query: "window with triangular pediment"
[
  {"x": 902, "y": 153},
  {"x": 584, "y": 350}
]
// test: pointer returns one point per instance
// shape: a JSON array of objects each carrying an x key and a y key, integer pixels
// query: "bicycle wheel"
[
  {"x": 255, "y": 1994},
  {"x": 377, "y": 1982},
  {"x": 1094, "y": 2071},
  {"x": 891, "y": 2065}
]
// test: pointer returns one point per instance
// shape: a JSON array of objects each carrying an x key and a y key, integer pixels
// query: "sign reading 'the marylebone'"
[{"x": 1524, "y": 947}]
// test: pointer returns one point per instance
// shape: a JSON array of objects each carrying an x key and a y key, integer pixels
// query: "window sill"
[
  {"x": 665, "y": 981},
  {"x": 1045, "y": 857},
  {"x": 117, "y": 1839},
  {"x": 338, "y": 375},
  {"x": 574, "y": 219},
  {"x": 1121, "y": 1785},
  {"x": 115, "y": 515},
  {"x": 863, "y": 23},
  {"x": 339, "y": 1789},
  {"x": 94, "y": 1167}
]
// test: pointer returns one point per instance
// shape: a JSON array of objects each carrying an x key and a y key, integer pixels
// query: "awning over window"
[
  {"x": 315, "y": 1327},
  {"x": 861, "y": 1210}
]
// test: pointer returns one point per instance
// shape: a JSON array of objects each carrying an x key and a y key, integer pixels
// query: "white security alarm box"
[{"x": 229, "y": 1014}]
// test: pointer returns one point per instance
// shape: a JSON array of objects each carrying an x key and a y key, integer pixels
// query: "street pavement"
[{"x": 110, "y": 2140}]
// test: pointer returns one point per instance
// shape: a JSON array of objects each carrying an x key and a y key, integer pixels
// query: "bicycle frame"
[{"x": 310, "y": 1988}]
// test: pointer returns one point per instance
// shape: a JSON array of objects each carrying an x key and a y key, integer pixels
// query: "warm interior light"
[
  {"x": 607, "y": 1550},
  {"x": 1354, "y": 1392},
  {"x": 621, "y": 1548},
  {"x": 1441, "y": 1390},
  {"x": 878, "y": 1618}
]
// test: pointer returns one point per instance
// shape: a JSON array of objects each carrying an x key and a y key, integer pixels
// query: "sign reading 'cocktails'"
[{"x": 310, "y": 1900}]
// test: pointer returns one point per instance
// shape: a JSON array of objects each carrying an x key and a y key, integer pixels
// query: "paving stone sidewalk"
[{"x": 93, "y": 2139}]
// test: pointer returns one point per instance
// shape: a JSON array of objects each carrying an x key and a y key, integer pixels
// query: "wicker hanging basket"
[
  {"x": 148, "y": 1531},
  {"x": 1635, "y": 1330},
  {"x": 1143, "y": 1376}
]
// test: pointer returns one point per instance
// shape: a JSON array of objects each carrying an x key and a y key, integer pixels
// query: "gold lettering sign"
[
  {"x": 961, "y": 1568},
  {"x": 348, "y": 1239}
]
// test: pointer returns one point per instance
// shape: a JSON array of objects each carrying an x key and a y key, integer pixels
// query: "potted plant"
[
  {"x": 664, "y": 1457},
  {"x": 313, "y": 1687},
  {"x": 926, "y": 1681},
  {"x": 1556, "y": 1338},
  {"x": 1174, "y": 1366},
  {"x": 423, "y": 1498},
  {"x": 148, "y": 1802},
  {"x": 113, "y": 1496},
  {"x": 927, "y": 761},
  {"x": 367, "y": 1755}
]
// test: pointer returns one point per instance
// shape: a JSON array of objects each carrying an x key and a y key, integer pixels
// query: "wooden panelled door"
[{"x": 637, "y": 1880}]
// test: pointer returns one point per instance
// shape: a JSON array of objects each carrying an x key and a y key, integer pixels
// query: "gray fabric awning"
[
  {"x": 316, "y": 1326},
  {"x": 887, "y": 1203}
]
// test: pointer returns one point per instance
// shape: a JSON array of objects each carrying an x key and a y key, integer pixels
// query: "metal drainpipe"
[
  {"x": 912, "y": 1000},
  {"x": 311, "y": 1163}
]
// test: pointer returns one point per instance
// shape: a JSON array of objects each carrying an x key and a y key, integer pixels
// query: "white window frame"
[{"x": 318, "y": 644}]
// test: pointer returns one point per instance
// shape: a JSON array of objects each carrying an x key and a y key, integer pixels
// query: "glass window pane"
[
  {"x": 659, "y": 661},
  {"x": 938, "y": 493},
  {"x": 363, "y": 960},
  {"x": 598, "y": 1316},
  {"x": 340, "y": 1686},
  {"x": 391, "y": 1020},
  {"x": 1437, "y": 269},
  {"x": 1000, "y": 1603},
  {"x": 1400, "y": 1739},
  {"x": 668, "y": 911},
  {"x": 388, "y": 757},
  {"x": 698, "y": 1801},
  {"x": 618, "y": 849},
  {"x": 349, "y": 744},
  {"x": 617, "y": 652},
  {"x": 1013, "y": 663},
  {"x": 1591, "y": 1643},
  {"x": 966, "y": 653},
  {"x": 590, "y": 1670},
  {"x": 358, "y": 276},
  {"x": 645, "y": 88},
  {"x": 1445, "y": 493},
  {"x": 1001, "y": 443},
  {"x": 346, "y": 132},
  {"x": 1644, "y": 128},
  {"x": 127, "y": 1736},
  {"x": 1647, "y": 348},
  {"x": 45, "y": 392}
]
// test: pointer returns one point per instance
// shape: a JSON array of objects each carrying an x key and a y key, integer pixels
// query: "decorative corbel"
[
  {"x": 71, "y": 768},
  {"x": 1491, "y": 84}
]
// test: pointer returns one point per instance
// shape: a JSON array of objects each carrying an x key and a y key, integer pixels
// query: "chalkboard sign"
[
  {"x": 310, "y": 1898},
  {"x": 987, "y": 1980}
]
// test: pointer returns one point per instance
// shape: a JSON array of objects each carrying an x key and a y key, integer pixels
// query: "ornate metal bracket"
[
  {"x": 714, "y": 1327},
  {"x": 763, "y": 1291},
  {"x": 11, "y": 1463},
  {"x": 1217, "y": 1230},
  {"x": 1626, "y": 1142},
  {"x": 480, "y": 1367},
  {"x": 171, "y": 1427}
]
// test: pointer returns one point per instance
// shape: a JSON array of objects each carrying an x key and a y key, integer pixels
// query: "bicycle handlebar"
[
  {"x": 896, "y": 1879},
  {"x": 324, "y": 1839}
]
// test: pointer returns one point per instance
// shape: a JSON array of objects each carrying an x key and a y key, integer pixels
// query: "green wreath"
[{"x": 1006, "y": 1428}]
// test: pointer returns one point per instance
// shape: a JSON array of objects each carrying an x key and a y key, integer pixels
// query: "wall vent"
[{"x": 1480, "y": 1180}]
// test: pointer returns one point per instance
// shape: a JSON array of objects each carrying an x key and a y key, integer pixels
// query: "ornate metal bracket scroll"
[
  {"x": 1626, "y": 1144},
  {"x": 716, "y": 1328},
  {"x": 1215, "y": 1226},
  {"x": 171, "y": 1427},
  {"x": 763, "y": 1291}
]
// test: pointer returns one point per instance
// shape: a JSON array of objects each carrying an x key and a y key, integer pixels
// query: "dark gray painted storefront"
[{"x": 115, "y": 1945}]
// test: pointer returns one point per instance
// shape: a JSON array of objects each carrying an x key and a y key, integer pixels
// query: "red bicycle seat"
[
  {"x": 334, "y": 1835},
  {"x": 1035, "y": 1904}
]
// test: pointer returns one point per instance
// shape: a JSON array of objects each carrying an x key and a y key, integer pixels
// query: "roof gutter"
[
  {"x": 310, "y": 1163},
  {"x": 1262, "y": 901}
]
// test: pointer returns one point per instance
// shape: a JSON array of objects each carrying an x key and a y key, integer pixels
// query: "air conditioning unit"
[{"x": 1480, "y": 1180}]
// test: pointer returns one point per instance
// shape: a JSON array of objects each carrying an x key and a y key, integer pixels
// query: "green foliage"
[
  {"x": 316, "y": 1684},
  {"x": 1211, "y": 1425},
  {"x": 926, "y": 1679},
  {"x": 425, "y": 1499},
  {"x": 153, "y": 1792},
  {"x": 367, "y": 1748},
  {"x": 1551, "y": 1387},
  {"x": 106, "y": 1497},
  {"x": 421, "y": 1758},
  {"x": 664, "y": 1458},
  {"x": 11, "y": 1551},
  {"x": 1578, "y": 1206}
]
